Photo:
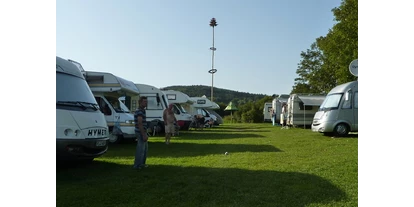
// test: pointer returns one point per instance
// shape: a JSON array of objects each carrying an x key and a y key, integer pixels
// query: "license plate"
[{"x": 100, "y": 143}]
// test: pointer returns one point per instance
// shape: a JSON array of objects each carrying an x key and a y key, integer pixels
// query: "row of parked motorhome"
[
  {"x": 336, "y": 113},
  {"x": 96, "y": 108}
]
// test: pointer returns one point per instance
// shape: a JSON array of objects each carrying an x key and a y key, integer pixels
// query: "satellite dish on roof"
[{"x": 353, "y": 67}]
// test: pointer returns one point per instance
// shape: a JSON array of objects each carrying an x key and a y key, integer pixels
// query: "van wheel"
[
  {"x": 114, "y": 139},
  {"x": 341, "y": 130}
]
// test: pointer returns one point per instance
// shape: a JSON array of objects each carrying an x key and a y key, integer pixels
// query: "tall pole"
[{"x": 213, "y": 24}]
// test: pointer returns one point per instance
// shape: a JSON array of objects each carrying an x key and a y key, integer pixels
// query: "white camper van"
[
  {"x": 177, "y": 98},
  {"x": 218, "y": 120},
  {"x": 200, "y": 106},
  {"x": 338, "y": 113},
  {"x": 107, "y": 89},
  {"x": 157, "y": 103},
  {"x": 81, "y": 129},
  {"x": 267, "y": 112},
  {"x": 277, "y": 105},
  {"x": 302, "y": 108}
]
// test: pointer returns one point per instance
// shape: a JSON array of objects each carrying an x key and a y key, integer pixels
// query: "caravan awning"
[{"x": 312, "y": 100}]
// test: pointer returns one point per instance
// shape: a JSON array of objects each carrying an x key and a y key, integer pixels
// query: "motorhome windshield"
[
  {"x": 203, "y": 112},
  {"x": 331, "y": 102},
  {"x": 181, "y": 108},
  {"x": 73, "y": 93},
  {"x": 123, "y": 107},
  {"x": 117, "y": 105}
]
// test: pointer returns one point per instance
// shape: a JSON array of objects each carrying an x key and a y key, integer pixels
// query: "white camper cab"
[
  {"x": 218, "y": 119},
  {"x": 302, "y": 109},
  {"x": 107, "y": 89},
  {"x": 177, "y": 98},
  {"x": 200, "y": 106},
  {"x": 267, "y": 112},
  {"x": 277, "y": 105},
  {"x": 157, "y": 103},
  {"x": 338, "y": 114},
  {"x": 81, "y": 129}
]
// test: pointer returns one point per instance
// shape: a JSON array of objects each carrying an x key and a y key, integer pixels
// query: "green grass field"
[{"x": 266, "y": 166}]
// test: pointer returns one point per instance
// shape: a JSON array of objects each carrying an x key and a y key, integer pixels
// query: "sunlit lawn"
[{"x": 266, "y": 166}]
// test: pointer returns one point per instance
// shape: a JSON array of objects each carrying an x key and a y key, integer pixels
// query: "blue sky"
[{"x": 165, "y": 43}]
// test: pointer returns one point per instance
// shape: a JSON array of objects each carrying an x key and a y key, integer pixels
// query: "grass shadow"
[
  {"x": 110, "y": 184},
  {"x": 177, "y": 149},
  {"x": 199, "y": 135}
]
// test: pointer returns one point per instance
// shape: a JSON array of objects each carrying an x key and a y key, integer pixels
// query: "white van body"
[
  {"x": 267, "y": 112},
  {"x": 302, "y": 109},
  {"x": 277, "y": 105},
  {"x": 157, "y": 103},
  {"x": 338, "y": 114},
  {"x": 200, "y": 106},
  {"x": 178, "y": 98},
  {"x": 81, "y": 129},
  {"x": 107, "y": 90},
  {"x": 218, "y": 119}
]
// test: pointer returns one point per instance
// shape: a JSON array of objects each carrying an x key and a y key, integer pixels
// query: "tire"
[
  {"x": 341, "y": 130},
  {"x": 114, "y": 139}
]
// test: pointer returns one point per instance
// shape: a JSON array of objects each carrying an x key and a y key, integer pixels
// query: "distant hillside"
[{"x": 220, "y": 95}]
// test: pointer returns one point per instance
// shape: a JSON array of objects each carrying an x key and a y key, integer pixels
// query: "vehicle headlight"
[{"x": 130, "y": 122}]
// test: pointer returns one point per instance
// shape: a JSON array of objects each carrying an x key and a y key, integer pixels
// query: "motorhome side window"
[
  {"x": 347, "y": 100},
  {"x": 134, "y": 104},
  {"x": 153, "y": 104},
  {"x": 304, "y": 107},
  {"x": 171, "y": 97}
]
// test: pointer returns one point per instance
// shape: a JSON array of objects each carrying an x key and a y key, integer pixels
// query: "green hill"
[{"x": 220, "y": 95}]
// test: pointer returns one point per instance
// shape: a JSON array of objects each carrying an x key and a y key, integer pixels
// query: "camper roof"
[
  {"x": 177, "y": 97},
  {"x": 311, "y": 100},
  {"x": 144, "y": 88},
  {"x": 343, "y": 87},
  {"x": 104, "y": 82},
  {"x": 201, "y": 102},
  {"x": 65, "y": 66},
  {"x": 283, "y": 96},
  {"x": 214, "y": 105}
]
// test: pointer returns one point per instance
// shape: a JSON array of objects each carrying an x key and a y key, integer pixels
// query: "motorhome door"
[
  {"x": 355, "y": 111},
  {"x": 106, "y": 109}
]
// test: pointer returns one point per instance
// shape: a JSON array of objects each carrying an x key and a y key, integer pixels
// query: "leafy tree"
[
  {"x": 340, "y": 45},
  {"x": 326, "y": 63}
]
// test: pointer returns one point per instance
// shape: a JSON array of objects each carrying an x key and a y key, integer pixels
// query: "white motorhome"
[
  {"x": 338, "y": 113},
  {"x": 277, "y": 105},
  {"x": 81, "y": 129},
  {"x": 177, "y": 98},
  {"x": 157, "y": 103},
  {"x": 200, "y": 106},
  {"x": 107, "y": 90},
  {"x": 302, "y": 109},
  {"x": 218, "y": 120},
  {"x": 267, "y": 112}
]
